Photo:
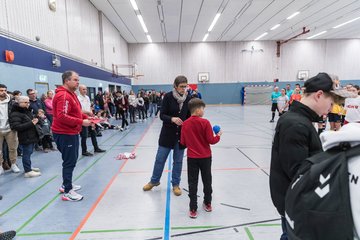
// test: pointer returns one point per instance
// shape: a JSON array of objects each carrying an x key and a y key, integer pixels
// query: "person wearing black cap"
[{"x": 296, "y": 138}]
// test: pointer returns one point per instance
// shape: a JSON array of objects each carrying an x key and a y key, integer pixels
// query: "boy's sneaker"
[
  {"x": 121, "y": 129},
  {"x": 15, "y": 168},
  {"x": 207, "y": 207},
  {"x": 193, "y": 214},
  {"x": 72, "y": 196},
  {"x": 74, "y": 187},
  {"x": 150, "y": 185},
  {"x": 32, "y": 174},
  {"x": 7, "y": 235}
]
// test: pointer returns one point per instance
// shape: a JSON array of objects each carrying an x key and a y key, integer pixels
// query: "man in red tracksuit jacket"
[{"x": 66, "y": 126}]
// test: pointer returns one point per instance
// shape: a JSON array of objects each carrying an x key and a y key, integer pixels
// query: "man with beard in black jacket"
[{"x": 296, "y": 138}]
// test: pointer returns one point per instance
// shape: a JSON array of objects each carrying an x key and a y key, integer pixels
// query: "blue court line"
[{"x": 168, "y": 192}]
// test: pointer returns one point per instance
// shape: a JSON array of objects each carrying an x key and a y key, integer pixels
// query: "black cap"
[{"x": 322, "y": 81}]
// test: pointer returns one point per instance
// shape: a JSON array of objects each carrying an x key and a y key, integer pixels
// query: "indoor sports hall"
[{"x": 117, "y": 53}]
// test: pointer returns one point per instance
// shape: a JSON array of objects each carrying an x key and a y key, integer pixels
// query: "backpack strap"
[{"x": 353, "y": 151}]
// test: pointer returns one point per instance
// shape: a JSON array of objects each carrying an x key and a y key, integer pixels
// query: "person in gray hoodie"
[{"x": 5, "y": 132}]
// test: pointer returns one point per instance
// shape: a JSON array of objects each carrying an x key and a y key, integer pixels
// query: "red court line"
[{"x": 92, "y": 209}]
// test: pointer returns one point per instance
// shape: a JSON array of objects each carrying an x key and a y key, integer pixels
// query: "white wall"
[
  {"x": 227, "y": 63},
  {"x": 115, "y": 47},
  {"x": 73, "y": 29}
]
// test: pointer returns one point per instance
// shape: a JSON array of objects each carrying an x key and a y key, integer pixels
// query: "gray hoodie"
[
  {"x": 348, "y": 133},
  {"x": 4, "y": 115}
]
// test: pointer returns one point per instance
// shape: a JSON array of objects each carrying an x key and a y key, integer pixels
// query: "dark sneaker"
[
  {"x": 74, "y": 187},
  {"x": 272, "y": 120},
  {"x": 150, "y": 185},
  {"x": 193, "y": 214},
  {"x": 207, "y": 207},
  {"x": 87, "y": 154},
  {"x": 99, "y": 150},
  {"x": 72, "y": 196},
  {"x": 7, "y": 235}
]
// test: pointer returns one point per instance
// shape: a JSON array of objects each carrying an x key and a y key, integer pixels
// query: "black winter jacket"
[
  {"x": 170, "y": 132},
  {"x": 295, "y": 140},
  {"x": 21, "y": 121}
]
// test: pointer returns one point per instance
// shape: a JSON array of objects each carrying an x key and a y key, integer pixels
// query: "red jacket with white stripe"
[{"x": 67, "y": 114}]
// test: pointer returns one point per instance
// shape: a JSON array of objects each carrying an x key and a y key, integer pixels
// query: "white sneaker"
[
  {"x": 72, "y": 196},
  {"x": 1, "y": 170},
  {"x": 121, "y": 129},
  {"x": 32, "y": 174},
  {"x": 35, "y": 169},
  {"x": 15, "y": 168},
  {"x": 74, "y": 187}
]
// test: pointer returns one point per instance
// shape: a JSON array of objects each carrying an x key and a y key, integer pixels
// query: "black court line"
[
  {"x": 217, "y": 229},
  {"x": 253, "y": 162},
  {"x": 235, "y": 229},
  {"x": 228, "y": 205},
  {"x": 188, "y": 191}
]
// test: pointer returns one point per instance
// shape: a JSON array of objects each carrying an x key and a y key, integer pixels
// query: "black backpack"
[{"x": 317, "y": 203}]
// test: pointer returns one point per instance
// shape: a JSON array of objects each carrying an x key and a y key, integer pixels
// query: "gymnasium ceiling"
[{"x": 240, "y": 20}]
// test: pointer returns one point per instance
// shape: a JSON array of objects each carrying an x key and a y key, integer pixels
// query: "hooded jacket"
[
  {"x": 67, "y": 113},
  {"x": 348, "y": 133},
  {"x": 5, "y": 108},
  {"x": 295, "y": 140},
  {"x": 21, "y": 121}
]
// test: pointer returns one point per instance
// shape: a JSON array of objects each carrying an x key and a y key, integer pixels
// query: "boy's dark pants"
[{"x": 194, "y": 165}]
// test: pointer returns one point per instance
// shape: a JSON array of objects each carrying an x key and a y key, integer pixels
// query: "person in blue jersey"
[
  {"x": 289, "y": 91},
  {"x": 274, "y": 96}
]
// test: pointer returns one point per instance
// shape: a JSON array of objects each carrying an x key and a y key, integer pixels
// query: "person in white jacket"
[
  {"x": 132, "y": 106},
  {"x": 140, "y": 106},
  {"x": 348, "y": 133}
]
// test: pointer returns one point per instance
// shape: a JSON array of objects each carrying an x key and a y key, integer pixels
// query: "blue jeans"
[
  {"x": 160, "y": 160},
  {"x": 68, "y": 145},
  {"x": 283, "y": 226},
  {"x": 27, "y": 150},
  {"x": 152, "y": 108}
]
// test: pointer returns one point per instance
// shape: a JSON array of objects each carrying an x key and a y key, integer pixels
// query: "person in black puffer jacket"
[{"x": 22, "y": 121}]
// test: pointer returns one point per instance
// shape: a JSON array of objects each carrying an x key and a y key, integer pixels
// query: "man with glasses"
[
  {"x": 35, "y": 103},
  {"x": 174, "y": 111},
  {"x": 5, "y": 132}
]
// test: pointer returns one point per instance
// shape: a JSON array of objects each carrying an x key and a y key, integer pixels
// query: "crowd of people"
[{"x": 340, "y": 113}]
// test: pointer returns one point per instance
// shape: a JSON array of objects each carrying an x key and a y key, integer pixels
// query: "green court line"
[
  {"x": 116, "y": 230},
  {"x": 43, "y": 234},
  {"x": 27, "y": 196},
  {"x": 43, "y": 185},
  {"x": 247, "y": 230},
  {"x": 266, "y": 225},
  {"x": 57, "y": 195}
]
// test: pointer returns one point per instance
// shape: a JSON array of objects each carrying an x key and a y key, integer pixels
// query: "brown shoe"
[
  {"x": 150, "y": 185},
  {"x": 177, "y": 190}
]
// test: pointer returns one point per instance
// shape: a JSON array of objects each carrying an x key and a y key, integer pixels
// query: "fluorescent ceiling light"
[
  {"x": 205, "y": 37},
  {"x": 149, "y": 38},
  {"x": 275, "y": 27},
  {"x": 262, "y": 35},
  {"x": 142, "y": 23},
  {"x": 318, "y": 34},
  {"x": 214, "y": 22},
  {"x": 292, "y": 15},
  {"x": 340, "y": 25},
  {"x": 134, "y": 5}
]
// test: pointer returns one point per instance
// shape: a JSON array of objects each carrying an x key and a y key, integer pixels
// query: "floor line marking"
[
  {"x": 168, "y": 198},
  {"x": 27, "y": 196},
  {"x": 217, "y": 229},
  {"x": 92, "y": 209},
  {"x": 253, "y": 162},
  {"x": 55, "y": 197},
  {"x": 248, "y": 233}
]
